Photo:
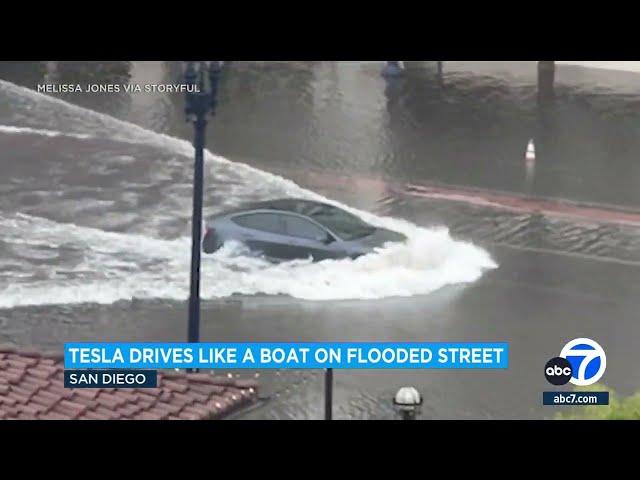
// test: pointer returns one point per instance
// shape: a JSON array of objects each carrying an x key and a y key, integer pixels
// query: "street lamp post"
[
  {"x": 328, "y": 394},
  {"x": 200, "y": 101}
]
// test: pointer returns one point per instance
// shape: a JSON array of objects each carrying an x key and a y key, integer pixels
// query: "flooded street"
[{"x": 95, "y": 210}]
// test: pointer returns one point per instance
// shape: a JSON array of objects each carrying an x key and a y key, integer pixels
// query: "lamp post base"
[
  {"x": 392, "y": 69},
  {"x": 328, "y": 394}
]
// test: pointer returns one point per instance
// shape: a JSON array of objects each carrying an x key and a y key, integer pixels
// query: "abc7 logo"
[
  {"x": 582, "y": 361},
  {"x": 558, "y": 371}
]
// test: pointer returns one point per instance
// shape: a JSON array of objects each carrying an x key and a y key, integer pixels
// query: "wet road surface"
[{"x": 93, "y": 211}]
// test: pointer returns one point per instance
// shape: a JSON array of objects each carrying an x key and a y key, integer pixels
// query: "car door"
[
  {"x": 308, "y": 239},
  {"x": 263, "y": 233}
]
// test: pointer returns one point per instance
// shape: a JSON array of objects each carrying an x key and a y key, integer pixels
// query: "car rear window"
[
  {"x": 265, "y": 222},
  {"x": 299, "y": 227},
  {"x": 344, "y": 224}
]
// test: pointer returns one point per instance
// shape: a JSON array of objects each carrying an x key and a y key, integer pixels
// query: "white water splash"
[
  {"x": 10, "y": 129},
  {"x": 91, "y": 265},
  {"x": 117, "y": 266}
]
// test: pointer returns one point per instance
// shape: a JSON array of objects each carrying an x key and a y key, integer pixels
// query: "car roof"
[{"x": 291, "y": 205}]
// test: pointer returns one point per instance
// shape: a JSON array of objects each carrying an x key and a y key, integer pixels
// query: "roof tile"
[
  {"x": 199, "y": 377},
  {"x": 207, "y": 389},
  {"x": 92, "y": 415},
  {"x": 14, "y": 379},
  {"x": 57, "y": 389},
  {"x": 31, "y": 386},
  {"x": 130, "y": 410},
  {"x": 21, "y": 362},
  {"x": 108, "y": 400},
  {"x": 132, "y": 395},
  {"x": 167, "y": 408},
  {"x": 69, "y": 409},
  {"x": 188, "y": 416},
  {"x": 175, "y": 386},
  {"x": 147, "y": 416},
  {"x": 218, "y": 402},
  {"x": 7, "y": 400},
  {"x": 41, "y": 372},
  {"x": 122, "y": 397},
  {"x": 197, "y": 397},
  {"x": 220, "y": 380},
  {"x": 160, "y": 413},
  {"x": 107, "y": 413},
  {"x": 165, "y": 396},
  {"x": 246, "y": 383},
  {"x": 48, "y": 397},
  {"x": 32, "y": 409},
  {"x": 152, "y": 391},
  {"x": 34, "y": 383},
  {"x": 16, "y": 396},
  {"x": 53, "y": 416},
  {"x": 181, "y": 399},
  {"x": 197, "y": 410},
  {"x": 144, "y": 398},
  {"x": 87, "y": 402},
  {"x": 12, "y": 411},
  {"x": 23, "y": 390},
  {"x": 90, "y": 393},
  {"x": 6, "y": 348}
]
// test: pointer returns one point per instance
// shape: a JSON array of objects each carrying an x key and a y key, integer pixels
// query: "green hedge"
[{"x": 618, "y": 409}]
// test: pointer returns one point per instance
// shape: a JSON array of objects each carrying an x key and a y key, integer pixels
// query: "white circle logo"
[{"x": 587, "y": 359}]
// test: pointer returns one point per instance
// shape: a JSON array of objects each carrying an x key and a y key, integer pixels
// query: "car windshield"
[{"x": 343, "y": 224}]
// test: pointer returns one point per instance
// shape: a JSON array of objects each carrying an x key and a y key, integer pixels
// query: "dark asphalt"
[
  {"x": 535, "y": 300},
  {"x": 558, "y": 278}
]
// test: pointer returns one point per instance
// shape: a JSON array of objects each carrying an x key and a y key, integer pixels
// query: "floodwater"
[{"x": 96, "y": 198}]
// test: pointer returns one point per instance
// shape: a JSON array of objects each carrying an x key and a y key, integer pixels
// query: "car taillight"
[
  {"x": 209, "y": 240},
  {"x": 208, "y": 232}
]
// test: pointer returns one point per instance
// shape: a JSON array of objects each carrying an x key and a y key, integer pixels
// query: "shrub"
[{"x": 618, "y": 409}]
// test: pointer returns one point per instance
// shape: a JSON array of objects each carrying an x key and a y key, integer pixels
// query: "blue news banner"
[{"x": 134, "y": 365}]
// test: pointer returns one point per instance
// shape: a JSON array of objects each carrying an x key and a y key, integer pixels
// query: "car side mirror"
[{"x": 328, "y": 239}]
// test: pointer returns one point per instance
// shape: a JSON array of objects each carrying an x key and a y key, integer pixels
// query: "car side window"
[
  {"x": 299, "y": 227},
  {"x": 265, "y": 222}
]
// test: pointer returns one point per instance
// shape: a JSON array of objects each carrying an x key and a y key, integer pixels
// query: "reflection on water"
[{"x": 469, "y": 126}]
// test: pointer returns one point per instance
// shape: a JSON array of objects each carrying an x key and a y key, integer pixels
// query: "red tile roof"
[{"x": 31, "y": 387}]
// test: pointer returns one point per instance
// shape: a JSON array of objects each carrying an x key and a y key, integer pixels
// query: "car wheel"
[{"x": 210, "y": 244}]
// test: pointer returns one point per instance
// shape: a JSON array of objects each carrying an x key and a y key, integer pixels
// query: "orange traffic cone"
[{"x": 530, "y": 156}]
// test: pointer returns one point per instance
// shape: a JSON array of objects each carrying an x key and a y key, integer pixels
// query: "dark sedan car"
[{"x": 291, "y": 228}]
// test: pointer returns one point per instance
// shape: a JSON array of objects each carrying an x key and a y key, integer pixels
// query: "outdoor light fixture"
[
  {"x": 408, "y": 403},
  {"x": 199, "y": 102}
]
